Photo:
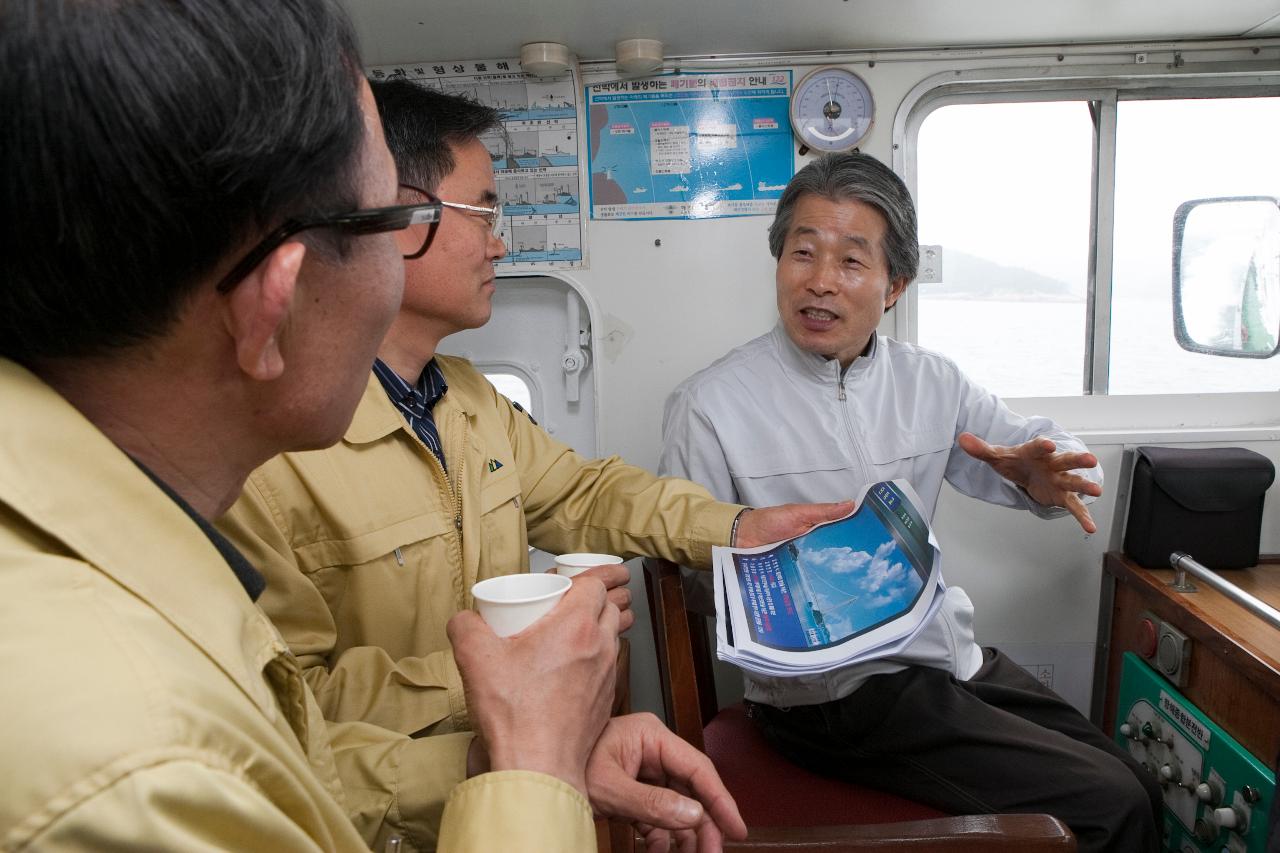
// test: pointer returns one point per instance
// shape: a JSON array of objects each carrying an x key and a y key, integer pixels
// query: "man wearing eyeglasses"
[
  {"x": 190, "y": 284},
  {"x": 371, "y": 546}
]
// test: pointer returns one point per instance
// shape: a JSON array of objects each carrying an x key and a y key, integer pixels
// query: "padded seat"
[{"x": 792, "y": 795}]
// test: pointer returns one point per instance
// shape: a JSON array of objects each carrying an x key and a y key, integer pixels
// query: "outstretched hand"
[
  {"x": 1044, "y": 471},
  {"x": 641, "y": 772},
  {"x": 776, "y": 523}
]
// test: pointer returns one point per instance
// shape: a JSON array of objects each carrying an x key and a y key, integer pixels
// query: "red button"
[{"x": 1146, "y": 638}]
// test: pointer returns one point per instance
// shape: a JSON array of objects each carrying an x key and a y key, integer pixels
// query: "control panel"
[
  {"x": 1217, "y": 796},
  {"x": 1164, "y": 647}
]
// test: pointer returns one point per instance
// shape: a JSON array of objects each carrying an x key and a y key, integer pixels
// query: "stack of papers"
[{"x": 847, "y": 591}]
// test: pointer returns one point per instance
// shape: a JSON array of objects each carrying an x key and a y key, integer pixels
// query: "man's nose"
[
  {"x": 825, "y": 280},
  {"x": 497, "y": 248}
]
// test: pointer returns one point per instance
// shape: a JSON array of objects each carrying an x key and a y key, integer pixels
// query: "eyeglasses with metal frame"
[
  {"x": 375, "y": 220},
  {"x": 491, "y": 215}
]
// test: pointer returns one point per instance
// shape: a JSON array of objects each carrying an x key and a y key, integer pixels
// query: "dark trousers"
[{"x": 1000, "y": 742}]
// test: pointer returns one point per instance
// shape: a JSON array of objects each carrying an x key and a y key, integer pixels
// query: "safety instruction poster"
[
  {"x": 536, "y": 163},
  {"x": 689, "y": 146}
]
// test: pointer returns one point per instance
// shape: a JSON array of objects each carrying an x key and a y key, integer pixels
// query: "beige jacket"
[
  {"x": 368, "y": 549},
  {"x": 148, "y": 703}
]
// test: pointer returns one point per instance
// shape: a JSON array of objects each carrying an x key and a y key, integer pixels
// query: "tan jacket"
[
  {"x": 368, "y": 550},
  {"x": 148, "y": 703}
]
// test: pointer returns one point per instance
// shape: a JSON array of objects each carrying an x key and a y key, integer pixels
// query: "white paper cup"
[
  {"x": 569, "y": 565},
  {"x": 511, "y": 603}
]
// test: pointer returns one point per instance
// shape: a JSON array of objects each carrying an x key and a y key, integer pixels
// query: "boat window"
[
  {"x": 1169, "y": 152},
  {"x": 1005, "y": 190},
  {"x": 514, "y": 388},
  {"x": 1054, "y": 211}
]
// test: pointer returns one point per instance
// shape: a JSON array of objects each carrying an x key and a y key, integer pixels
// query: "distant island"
[{"x": 967, "y": 276}]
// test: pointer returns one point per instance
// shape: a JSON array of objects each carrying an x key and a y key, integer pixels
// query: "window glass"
[
  {"x": 1005, "y": 189},
  {"x": 513, "y": 388},
  {"x": 1168, "y": 152}
]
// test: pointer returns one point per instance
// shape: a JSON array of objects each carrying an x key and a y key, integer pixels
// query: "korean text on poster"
[{"x": 689, "y": 146}]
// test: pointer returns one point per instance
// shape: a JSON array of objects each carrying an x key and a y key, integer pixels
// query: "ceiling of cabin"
[{"x": 405, "y": 30}]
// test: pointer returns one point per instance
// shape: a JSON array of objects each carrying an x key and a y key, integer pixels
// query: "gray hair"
[{"x": 856, "y": 177}]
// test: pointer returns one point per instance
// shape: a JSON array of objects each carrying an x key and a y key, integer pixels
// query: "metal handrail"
[{"x": 1184, "y": 564}]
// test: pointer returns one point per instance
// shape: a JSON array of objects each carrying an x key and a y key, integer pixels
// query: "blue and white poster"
[{"x": 689, "y": 146}]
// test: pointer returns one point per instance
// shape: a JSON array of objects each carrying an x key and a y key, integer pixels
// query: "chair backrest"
[
  {"x": 684, "y": 653},
  {"x": 689, "y": 699}
]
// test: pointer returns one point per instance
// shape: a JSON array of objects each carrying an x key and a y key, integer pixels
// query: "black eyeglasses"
[{"x": 408, "y": 218}]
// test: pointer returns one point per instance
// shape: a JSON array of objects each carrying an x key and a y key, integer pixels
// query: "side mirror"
[{"x": 1226, "y": 276}]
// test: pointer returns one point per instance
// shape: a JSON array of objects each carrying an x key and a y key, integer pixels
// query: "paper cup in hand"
[
  {"x": 511, "y": 603},
  {"x": 569, "y": 565}
]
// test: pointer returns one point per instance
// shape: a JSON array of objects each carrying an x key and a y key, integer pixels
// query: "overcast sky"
[{"x": 1011, "y": 182}]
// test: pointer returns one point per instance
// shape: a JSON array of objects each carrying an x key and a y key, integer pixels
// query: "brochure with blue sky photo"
[{"x": 850, "y": 589}]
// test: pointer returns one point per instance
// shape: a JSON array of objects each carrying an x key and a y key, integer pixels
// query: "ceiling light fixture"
[
  {"x": 545, "y": 58},
  {"x": 638, "y": 57}
]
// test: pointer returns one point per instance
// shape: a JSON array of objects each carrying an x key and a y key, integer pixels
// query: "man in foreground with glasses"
[
  {"x": 370, "y": 547},
  {"x": 149, "y": 360}
]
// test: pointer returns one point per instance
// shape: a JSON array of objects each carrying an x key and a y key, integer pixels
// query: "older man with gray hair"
[{"x": 943, "y": 721}]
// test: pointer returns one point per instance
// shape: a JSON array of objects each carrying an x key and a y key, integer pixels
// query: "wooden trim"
[
  {"x": 622, "y": 683},
  {"x": 672, "y": 639},
  {"x": 703, "y": 673},
  {"x": 1211, "y": 618},
  {"x": 1027, "y": 833}
]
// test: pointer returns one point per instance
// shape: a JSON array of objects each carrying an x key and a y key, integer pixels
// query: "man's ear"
[
  {"x": 896, "y": 289},
  {"x": 258, "y": 308}
]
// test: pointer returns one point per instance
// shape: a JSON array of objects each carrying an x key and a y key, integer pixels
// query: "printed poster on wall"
[
  {"x": 536, "y": 165},
  {"x": 689, "y": 146}
]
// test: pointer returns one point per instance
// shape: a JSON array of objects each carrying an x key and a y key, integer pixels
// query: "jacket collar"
[
  {"x": 68, "y": 479},
  {"x": 377, "y": 417},
  {"x": 814, "y": 367}
]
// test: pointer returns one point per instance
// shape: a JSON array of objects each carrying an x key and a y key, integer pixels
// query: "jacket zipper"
[
  {"x": 456, "y": 487},
  {"x": 453, "y": 485},
  {"x": 842, "y": 397}
]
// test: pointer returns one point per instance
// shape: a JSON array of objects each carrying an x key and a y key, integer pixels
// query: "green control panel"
[{"x": 1216, "y": 795}]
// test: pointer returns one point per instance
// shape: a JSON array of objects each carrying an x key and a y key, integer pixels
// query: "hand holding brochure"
[{"x": 847, "y": 591}]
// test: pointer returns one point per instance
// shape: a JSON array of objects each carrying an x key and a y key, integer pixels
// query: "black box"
[{"x": 1206, "y": 502}]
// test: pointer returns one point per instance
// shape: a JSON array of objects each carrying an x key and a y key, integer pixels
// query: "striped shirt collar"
[
  {"x": 416, "y": 402},
  {"x": 413, "y": 400}
]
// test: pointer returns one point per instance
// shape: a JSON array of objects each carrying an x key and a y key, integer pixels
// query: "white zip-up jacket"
[{"x": 770, "y": 423}]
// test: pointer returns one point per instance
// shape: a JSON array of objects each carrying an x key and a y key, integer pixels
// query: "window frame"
[
  {"x": 1103, "y": 87},
  {"x": 524, "y": 372}
]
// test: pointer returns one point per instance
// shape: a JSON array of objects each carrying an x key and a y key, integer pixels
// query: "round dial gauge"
[{"x": 831, "y": 109}]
